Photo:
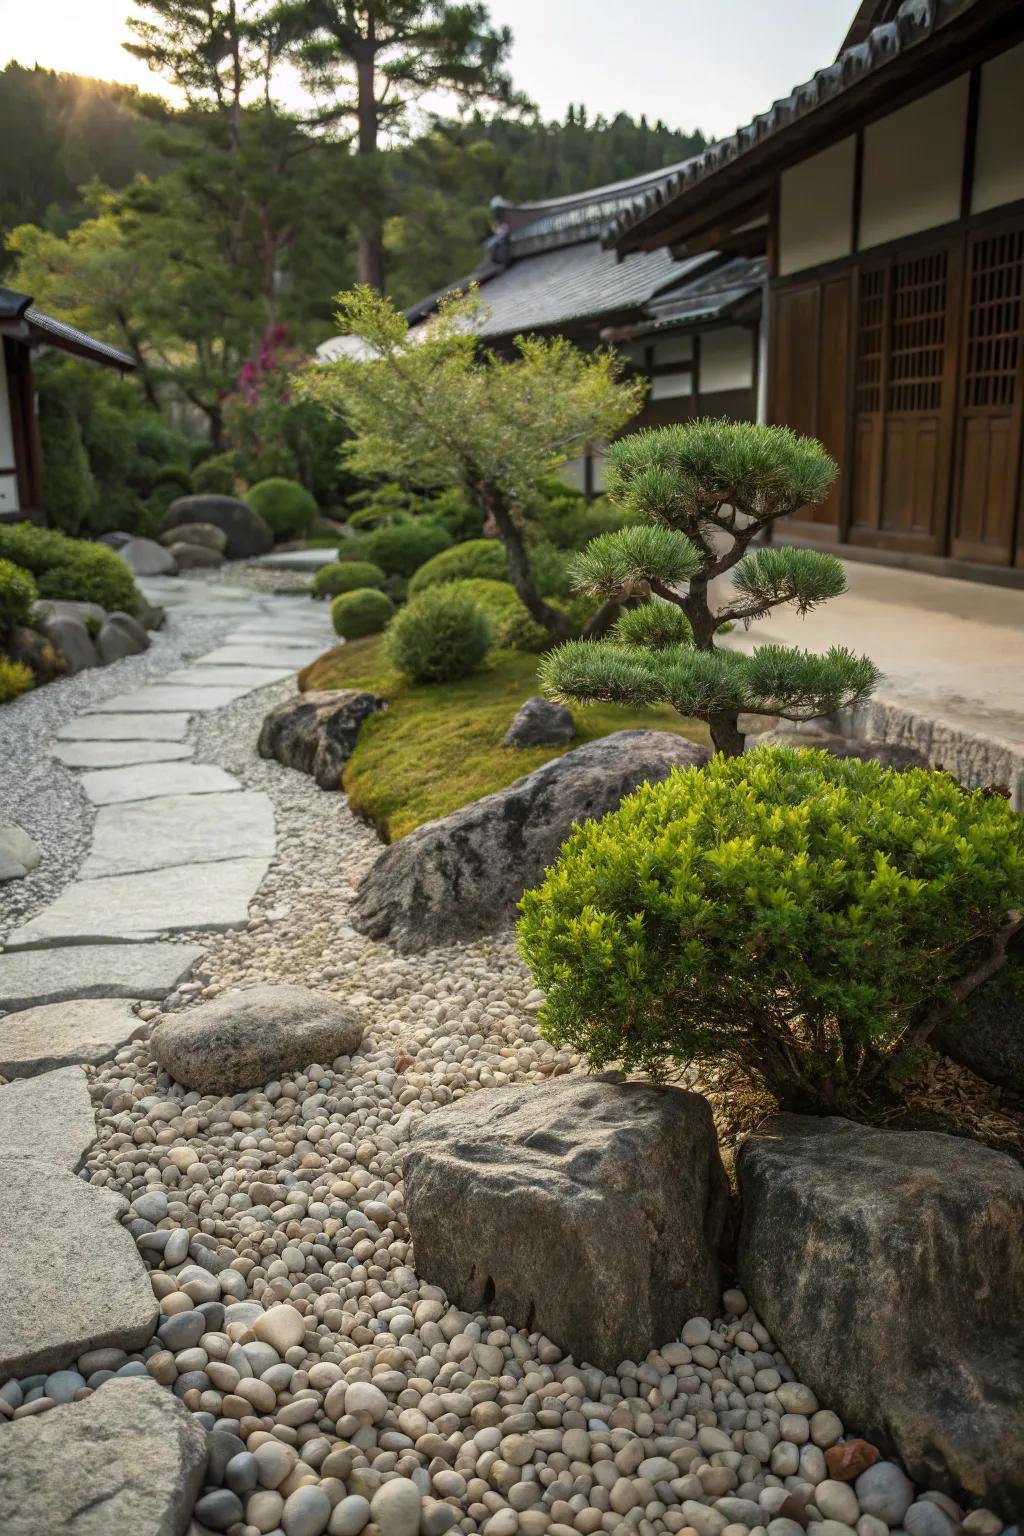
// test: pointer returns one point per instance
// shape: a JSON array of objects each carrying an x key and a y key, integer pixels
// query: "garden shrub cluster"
[
  {"x": 215, "y": 476},
  {"x": 70, "y": 568},
  {"x": 512, "y": 626},
  {"x": 803, "y": 917},
  {"x": 346, "y": 576},
  {"x": 18, "y": 592},
  {"x": 401, "y": 548},
  {"x": 443, "y": 634},
  {"x": 288, "y": 510},
  {"x": 473, "y": 557},
  {"x": 364, "y": 611},
  {"x": 15, "y": 678}
]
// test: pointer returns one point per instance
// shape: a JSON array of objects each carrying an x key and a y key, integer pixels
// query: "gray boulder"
[
  {"x": 247, "y": 534},
  {"x": 148, "y": 558},
  {"x": 121, "y": 635},
  {"x": 888, "y": 1267},
  {"x": 70, "y": 638},
  {"x": 115, "y": 540},
  {"x": 316, "y": 732},
  {"x": 18, "y": 852},
  {"x": 130, "y": 1458},
  {"x": 587, "y": 1210},
  {"x": 889, "y": 754},
  {"x": 36, "y": 650},
  {"x": 541, "y": 723},
  {"x": 988, "y": 1034},
  {"x": 150, "y": 615},
  {"x": 463, "y": 874},
  {"x": 203, "y": 534},
  {"x": 195, "y": 556},
  {"x": 66, "y": 608},
  {"x": 248, "y": 1038}
]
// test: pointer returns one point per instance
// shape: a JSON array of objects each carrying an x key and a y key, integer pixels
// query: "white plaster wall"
[
  {"x": 667, "y": 386},
  {"x": 8, "y": 483},
  {"x": 816, "y": 209},
  {"x": 998, "y": 152},
  {"x": 726, "y": 360},
  {"x": 913, "y": 166}
]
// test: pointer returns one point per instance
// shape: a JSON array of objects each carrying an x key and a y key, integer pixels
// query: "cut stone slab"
[
  {"x": 231, "y": 677},
  {"x": 143, "y": 906},
  {"x": 148, "y": 781},
  {"x": 587, "y": 1210},
  {"x": 119, "y": 754},
  {"x": 247, "y": 1038},
  {"x": 170, "y": 698},
  {"x": 133, "y": 727},
  {"x": 128, "y": 1461},
  {"x": 89, "y": 1287},
  {"x": 50, "y": 1116},
  {"x": 297, "y": 559},
  {"x": 179, "y": 829},
  {"x": 54, "y": 1035},
  {"x": 269, "y": 653},
  {"x": 34, "y": 978}
]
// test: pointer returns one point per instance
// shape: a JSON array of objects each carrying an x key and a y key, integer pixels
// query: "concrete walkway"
[{"x": 178, "y": 847}]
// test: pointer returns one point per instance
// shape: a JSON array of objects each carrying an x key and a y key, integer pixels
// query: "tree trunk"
[
  {"x": 371, "y": 239},
  {"x": 726, "y": 734},
  {"x": 556, "y": 623}
]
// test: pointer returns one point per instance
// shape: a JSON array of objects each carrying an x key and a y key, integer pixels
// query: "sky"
[{"x": 709, "y": 64}]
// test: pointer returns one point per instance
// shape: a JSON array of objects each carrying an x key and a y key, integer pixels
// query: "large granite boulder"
[
  {"x": 130, "y": 1458},
  {"x": 148, "y": 558},
  {"x": 247, "y": 534},
  {"x": 889, "y": 1268},
  {"x": 316, "y": 732},
  {"x": 591, "y": 1211},
  {"x": 248, "y": 1038},
  {"x": 540, "y": 723},
  {"x": 204, "y": 534},
  {"x": 66, "y": 608},
  {"x": 190, "y": 557},
  {"x": 71, "y": 640},
  {"x": 988, "y": 1033},
  {"x": 462, "y": 875}
]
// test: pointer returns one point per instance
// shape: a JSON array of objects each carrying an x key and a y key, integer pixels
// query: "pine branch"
[
  {"x": 801, "y": 686},
  {"x": 772, "y": 576},
  {"x": 632, "y": 555},
  {"x": 655, "y": 626},
  {"x": 598, "y": 671}
]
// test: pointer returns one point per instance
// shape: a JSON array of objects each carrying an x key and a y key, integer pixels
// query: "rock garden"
[{"x": 481, "y": 1055}]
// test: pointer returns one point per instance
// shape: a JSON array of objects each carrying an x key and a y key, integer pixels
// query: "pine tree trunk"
[
  {"x": 726, "y": 734},
  {"x": 520, "y": 575},
  {"x": 371, "y": 238}
]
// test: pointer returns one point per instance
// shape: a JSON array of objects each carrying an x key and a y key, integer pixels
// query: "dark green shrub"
[
  {"x": 404, "y": 547},
  {"x": 34, "y": 549},
  {"x": 215, "y": 476},
  {"x": 92, "y": 573},
  {"x": 15, "y": 678},
  {"x": 513, "y": 628},
  {"x": 17, "y": 594},
  {"x": 362, "y": 612},
  {"x": 68, "y": 484},
  {"x": 441, "y": 636},
  {"x": 284, "y": 506},
  {"x": 457, "y": 514},
  {"x": 802, "y": 917},
  {"x": 475, "y": 557},
  {"x": 346, "y": 576}
]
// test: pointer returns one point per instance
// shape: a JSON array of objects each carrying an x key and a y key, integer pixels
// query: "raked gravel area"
[{"x": 354, "y": 1396}]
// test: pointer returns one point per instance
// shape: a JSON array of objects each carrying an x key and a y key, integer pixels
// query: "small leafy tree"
[
  {"x": 433, "y": 409},
  {"x": 704, "y": 492}
]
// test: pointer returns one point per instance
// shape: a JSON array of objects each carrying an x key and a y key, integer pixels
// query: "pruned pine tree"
[{"x": 706, "y": 490}]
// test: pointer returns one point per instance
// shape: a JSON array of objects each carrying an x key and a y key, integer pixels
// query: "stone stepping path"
[
  {"x": 57, "y": 1034},
  {"x": 178, "y": 847},
  {"x": 48, "y": 1116}
]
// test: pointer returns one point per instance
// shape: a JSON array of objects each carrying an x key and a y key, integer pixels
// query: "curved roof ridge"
[{"x": 547, "y": 205}]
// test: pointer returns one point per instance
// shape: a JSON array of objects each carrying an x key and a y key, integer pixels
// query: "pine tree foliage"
[{"x": 704, "y": 492}]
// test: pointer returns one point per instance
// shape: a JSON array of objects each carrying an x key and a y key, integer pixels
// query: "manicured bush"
[
  {"x": 362, "y": 612},
  {"x": 68, "y": 483},
  {"x": 15, "y": 678},
  {"x": 442, "y": 635},
  {"x": 346, "y": 576},
  {"x": 284, "y": 505},
  {"x": 804, "y": 918},
  {"x": 475, "y": 557},
  {"x": 404, "y": 547},
  {"x": 455, "y": 512},
  {"x": 514, "y": 630},
  {"x": 34, "y": 549},
  {"x": 17, "y": 594},
  {"x": 92, "y": 573},
  {"x": 215, "y": 476}
]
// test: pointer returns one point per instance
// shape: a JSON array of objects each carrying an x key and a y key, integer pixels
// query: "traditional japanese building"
[
  {"x": 886, "y": 197},
  {"x": 25, "y": 331}
]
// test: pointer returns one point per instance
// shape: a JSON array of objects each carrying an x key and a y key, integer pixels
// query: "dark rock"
[
  {"x": 191, "y": 556},
  {"x": 988, "y": 1034},
  {"x": 37, "y": 651},
  {"x": 316, "y": 732},
  {"x": 148, "y": 558},
  {"x": 115, "y": 540},
  {"x": 121, "y": 636},
  {"x": 591, "y": 1212},
  {"x": 73, "y": 641},
  {"x": 888, "y": 1267},
  {"x": 204, "y": 534},
  {"x": 150, "y": 615},
  {"x": 248, "y": 1038},
  {"x": 463, "y": 874},
  {"x": 540, "y": 723},
  {"x": 889, "y": 753},
  {"x": 247, "y": 533}
]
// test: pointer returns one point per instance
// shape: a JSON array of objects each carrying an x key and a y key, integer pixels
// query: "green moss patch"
[{"x": 438, "y": 746}]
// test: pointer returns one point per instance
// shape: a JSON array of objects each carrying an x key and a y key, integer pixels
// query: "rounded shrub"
[
  {"x": 404, "y": 547},
  {"x": 476, "y": 557},
  {"x": 15, "y": 678},
  {"x": 215, "y": 476},
  {"x": 34, "y": 549},
  {"x": 802, "y": 917},
  {"x": 513, "y": 628},
  {"x": 284, "y": 505},
  {"x": 18, "y": 592},
  {"x": 346, "y": 576},
  {"x": 443, "y": 634},
  {"x": 92, "y": 573},
  {"x": 362, "y": 612}
]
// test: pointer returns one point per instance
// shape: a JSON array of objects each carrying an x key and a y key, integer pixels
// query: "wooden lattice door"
[{"x": 991, "y": 390}]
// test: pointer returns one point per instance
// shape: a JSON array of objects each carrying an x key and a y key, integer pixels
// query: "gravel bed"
[{"x": 43, "y": 796}]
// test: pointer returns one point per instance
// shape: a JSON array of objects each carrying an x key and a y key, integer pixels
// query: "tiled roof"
[
  {"x": 730, "y": 290},
  {"x": 556, "y": 221},
  {"x": 45, "y": 330}
]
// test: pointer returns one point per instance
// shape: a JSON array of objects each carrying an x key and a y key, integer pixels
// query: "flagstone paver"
[
  {"x": 179, "y": 829},
  {"x": 49, "y": 1116},
  {"x": 62, "y": 1034},
  {"x": 33, "y": 977},
  {"x": 170, "y": 697},
  {"x": 119, "y": 754},
  {"x": 232, "y": 677},
  {"x": 138, "y": 726},
  {"x": 147, "y": 781},
  {"x": 268, "y": 653}
]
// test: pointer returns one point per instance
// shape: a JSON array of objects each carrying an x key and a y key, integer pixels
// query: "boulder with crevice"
[{"x": 316, "y": 732}]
